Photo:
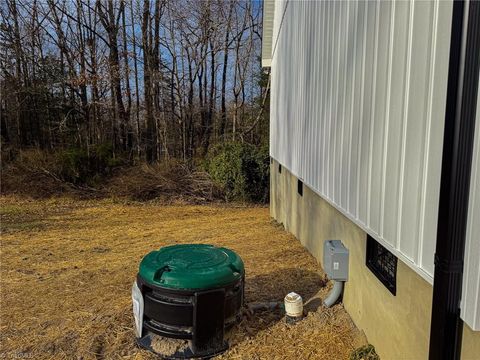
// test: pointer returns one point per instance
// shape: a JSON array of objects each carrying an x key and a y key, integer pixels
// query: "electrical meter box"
[{"x": 335, "y": 260}]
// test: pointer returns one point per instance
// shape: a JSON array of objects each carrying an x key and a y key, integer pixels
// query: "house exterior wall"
[
  {"x": 404, "y": 317},
  {"x": 358, "y": 95}
]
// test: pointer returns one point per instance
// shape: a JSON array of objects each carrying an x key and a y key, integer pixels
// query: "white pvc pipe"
[{"x": 334, "y": 294}]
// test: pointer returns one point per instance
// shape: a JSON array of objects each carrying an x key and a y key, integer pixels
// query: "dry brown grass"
[{"x": 67, "y": 268}]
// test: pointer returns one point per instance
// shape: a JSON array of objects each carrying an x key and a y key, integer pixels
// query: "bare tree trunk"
[
  {"x": 18, "y": 76},
  {"x": 223, "y": 119},
  {"x": 190, "y": 124},
  {"x": 147, "y": 84},
  {"x": 211, "y": 105},
  {"x": 128, "y": 134},
  {"x": 83, "y": 72},
  {"x": 110, "y": 22},
  {"x": 97, "y": 127},
  {"x": 137, "y": 93},
  {"x": 157, "y": 75}
]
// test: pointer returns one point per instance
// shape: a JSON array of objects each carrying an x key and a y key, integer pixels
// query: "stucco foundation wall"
[
  {"x": 398, "y": 326},
  {"x": 470, "y": 344}
]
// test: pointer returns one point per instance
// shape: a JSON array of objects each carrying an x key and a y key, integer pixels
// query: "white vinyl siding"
[
  {"x": 358, "y": 94},
  {"x": 471, "y": 274}
]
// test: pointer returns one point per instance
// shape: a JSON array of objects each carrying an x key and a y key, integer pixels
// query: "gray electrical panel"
[{"x": 335, "y": 260}]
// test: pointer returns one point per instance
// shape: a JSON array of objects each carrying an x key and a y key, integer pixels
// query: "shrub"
[
  {"x": 77, "y": 166},
  {"x": 366, "y": 352},
  {"x": 241, "y": 170},
  {"x": 105, "y": 158},
  {"x": 233, "y": 171},
  {"x": 73, "y": 165},
  {"x": 167, "y": 181},
  {"x": 34, "y": 173},
  {"x": 40, "y": 172}
]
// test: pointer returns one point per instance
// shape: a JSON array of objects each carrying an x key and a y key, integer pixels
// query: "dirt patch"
[
  {"x": 168, "y": 347},
  {"x": 66, "y": 285}
]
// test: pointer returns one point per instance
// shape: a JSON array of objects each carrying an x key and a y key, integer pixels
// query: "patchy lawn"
[{"x": 67, "y": 268}]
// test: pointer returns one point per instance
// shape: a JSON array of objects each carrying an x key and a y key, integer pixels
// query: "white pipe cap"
[{"x": 293, "y": 304}]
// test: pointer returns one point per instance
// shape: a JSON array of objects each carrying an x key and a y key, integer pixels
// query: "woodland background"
[{"x": 137, "y": 98}]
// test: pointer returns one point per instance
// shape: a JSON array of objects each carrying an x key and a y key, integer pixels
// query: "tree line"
[{"x": 154, "y": 79}]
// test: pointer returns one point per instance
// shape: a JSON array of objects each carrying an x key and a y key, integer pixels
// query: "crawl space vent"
[
  {"x": 382, "y": 263},
  {"x": 300, "y": 187}
]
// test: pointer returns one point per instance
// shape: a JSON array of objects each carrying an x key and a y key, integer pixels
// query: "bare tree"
[{"x": 156, "y": 79}]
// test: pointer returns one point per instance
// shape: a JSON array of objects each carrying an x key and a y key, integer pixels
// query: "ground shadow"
[
  {"x": 270, "y": 288},
  {"x": 273, "y": 286}
]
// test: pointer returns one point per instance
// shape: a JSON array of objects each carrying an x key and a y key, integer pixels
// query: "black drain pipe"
[{"x": 446, "y": 326}]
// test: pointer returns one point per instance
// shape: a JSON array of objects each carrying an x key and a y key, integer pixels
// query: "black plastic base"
[
  {"x": 200, "y": 317},
  {"x": 146, "y": 342}
]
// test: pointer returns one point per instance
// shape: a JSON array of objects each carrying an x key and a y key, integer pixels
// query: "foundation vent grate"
[
  {"x": 300, "y": 187},
  {"x": 382, "y": 263}
]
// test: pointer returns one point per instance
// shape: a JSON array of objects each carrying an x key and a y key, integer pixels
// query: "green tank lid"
[{"x": 191, "y": 266}]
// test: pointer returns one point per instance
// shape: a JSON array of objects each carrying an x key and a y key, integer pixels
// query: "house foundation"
[{"x": 397, "y": 325}]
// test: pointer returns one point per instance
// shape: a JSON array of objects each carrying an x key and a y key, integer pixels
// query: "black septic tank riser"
[{"x": 190, "y": 292}]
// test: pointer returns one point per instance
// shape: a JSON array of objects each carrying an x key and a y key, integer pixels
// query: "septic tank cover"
[{"x": 192, "y": 266}]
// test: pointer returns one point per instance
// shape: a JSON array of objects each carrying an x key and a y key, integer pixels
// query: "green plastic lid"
[{"x": 191, "y": 266}]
